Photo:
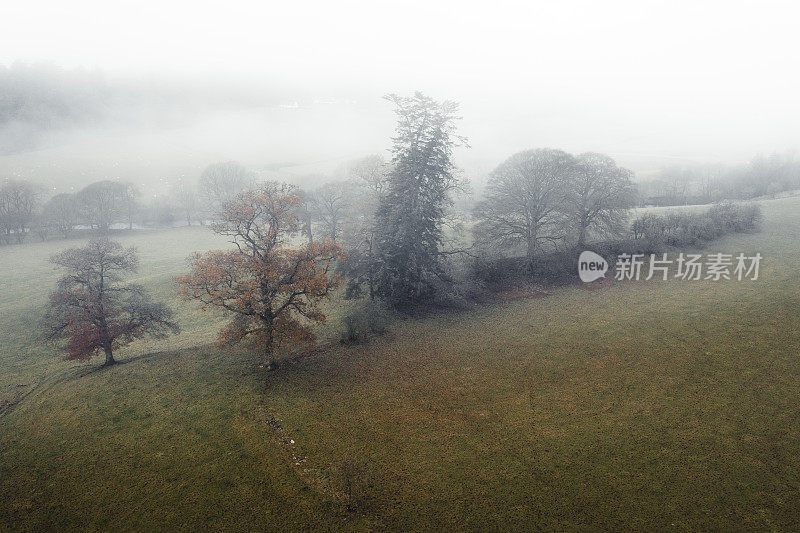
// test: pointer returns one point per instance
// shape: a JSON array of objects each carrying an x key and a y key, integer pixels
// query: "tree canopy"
[
  {"x": 93, "y": 311},
  {"x": 272, "y": 289}
]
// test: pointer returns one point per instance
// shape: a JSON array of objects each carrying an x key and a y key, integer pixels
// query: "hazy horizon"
[{"x": 299, "y": 88}]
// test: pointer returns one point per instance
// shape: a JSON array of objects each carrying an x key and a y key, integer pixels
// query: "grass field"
[{"x": 635, "y": 406}]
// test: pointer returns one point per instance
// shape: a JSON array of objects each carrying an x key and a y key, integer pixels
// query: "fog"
[
  {"x": 297, "y": 88},
  {"x": 399, "y": 265}
]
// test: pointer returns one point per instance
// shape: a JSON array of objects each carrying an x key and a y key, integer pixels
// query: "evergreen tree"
[{"x": 410, "y": 214}]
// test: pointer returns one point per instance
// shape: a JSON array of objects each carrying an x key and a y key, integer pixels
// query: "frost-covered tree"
[
  {"x": 19, "y": 201},
  {"x": 329, "y": 208},
  {"x": 60, "y": 214},
  {"x": 411, "y": 212},
  {"x": 221, "y": 182},
  {"x": 598, "y": 196},
  {"x": 368, "y": 178},
  {"x": 526, "y": 201},
  {"x": 103, "y": 203}
]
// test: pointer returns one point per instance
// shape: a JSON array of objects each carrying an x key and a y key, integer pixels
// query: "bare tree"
[
  {"x": 369, "y": 174},
  {"x": 304, "y": 210},
  {"x": 129, "y": 195},
  {"x": 18, "y": 203},
  {"x": 40, "y": 227},
  {"x": 675, "y": 185},
  {"x": 184, "y": 196},
  {"x": 159, "y": 212},
  {"x": 93, "y": 311},
  {"x": 102, "y": 203},
  {"x": 709, "y": 179},
  {"x": 526, "y": 200},
  {"x": 329, "y": 207},
  {"x": 369, "y": 181},
  {"x": 599, "y": 195},
  {"x": 60, "y": 214},
  {"x": 220, "y": 183}
]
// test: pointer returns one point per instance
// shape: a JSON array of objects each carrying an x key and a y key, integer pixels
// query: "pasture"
[{"x": 627, "y": 405}]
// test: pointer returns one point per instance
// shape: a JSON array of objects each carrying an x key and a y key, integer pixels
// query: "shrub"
[
  {"x": 691, "y": 229},
  {"x": 650, "y": 233},
  {"x": 698, "y": 229},
  {"x": 555, "y": 267},
  {"x": 736, "y": 217},
  {"x": 611, "y": 249},
  {"x": 491, "y": 270},
  {"x": 364, "y": 323}
]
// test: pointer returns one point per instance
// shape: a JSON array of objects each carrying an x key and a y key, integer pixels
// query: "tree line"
[
  {"x": 96, "y": 207},
  {"x": 270, "y": 284},
  {"x": 389, "y": 232},
  {"x": 763, "y": 175},
  {"x": 26, "y": 213}
]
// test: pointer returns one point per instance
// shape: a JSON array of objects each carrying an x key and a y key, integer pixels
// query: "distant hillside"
[
  {"x": 45, "y": 106},
  {"x": 38, "y": 99}
]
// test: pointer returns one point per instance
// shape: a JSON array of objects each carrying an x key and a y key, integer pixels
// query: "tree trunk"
[
  {"x": 531, "y": 248},
  {"x": 309, "y": 231},
  {"x": 270, "y": 357},
  {"x": 371, "y": 272},
  {"x": 109, "y": 355}
]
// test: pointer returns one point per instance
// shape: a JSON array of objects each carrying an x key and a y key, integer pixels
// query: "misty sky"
[{"x": 647, "y": 81}]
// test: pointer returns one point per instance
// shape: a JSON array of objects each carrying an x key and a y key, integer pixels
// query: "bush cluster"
[
  {"x": 649, "y": 234},
  {"x": 364, "y": 323},
  {"x": 694, "y": 229}
]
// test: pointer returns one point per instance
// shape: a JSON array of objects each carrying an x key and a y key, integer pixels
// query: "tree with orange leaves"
[{"x": 272, "y": 289}]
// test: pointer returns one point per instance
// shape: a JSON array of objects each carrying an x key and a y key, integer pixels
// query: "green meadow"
[{"x": 640, "y": 405}]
